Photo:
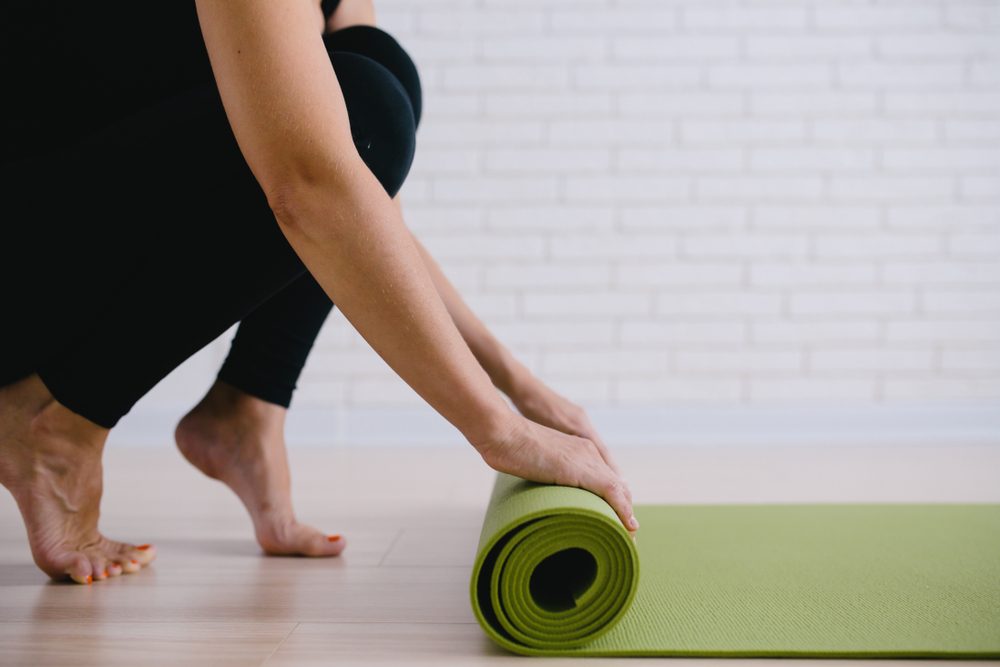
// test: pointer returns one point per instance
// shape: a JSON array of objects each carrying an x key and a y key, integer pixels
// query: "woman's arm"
[
  {"x": 504, "y": 370},
  {"x": 532, "y": 397},
  {"x": 289, "y": 116}
]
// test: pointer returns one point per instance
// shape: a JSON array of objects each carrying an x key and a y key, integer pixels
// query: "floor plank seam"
[
  {"x": 392, "y": 545},
  {"x": 278, "y": 645}
]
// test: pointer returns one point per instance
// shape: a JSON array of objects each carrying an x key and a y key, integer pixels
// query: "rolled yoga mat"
[{"x": 557, "y": 574}]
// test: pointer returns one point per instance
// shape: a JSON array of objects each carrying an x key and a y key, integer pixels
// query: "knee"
[
  {"x": 380, "y": 46},
  {"x": 382, "y": 119}
]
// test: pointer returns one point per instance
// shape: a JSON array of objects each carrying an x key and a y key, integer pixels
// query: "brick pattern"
[{"x": 658, "y": 201}]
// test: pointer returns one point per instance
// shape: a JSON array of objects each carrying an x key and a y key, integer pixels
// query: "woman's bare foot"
[
  {"x": 239, "y": 439},
  {"x": 50, "y": 461}
]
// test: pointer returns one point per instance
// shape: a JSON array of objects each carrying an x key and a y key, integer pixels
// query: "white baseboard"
[{"x": 669, "y": 425}]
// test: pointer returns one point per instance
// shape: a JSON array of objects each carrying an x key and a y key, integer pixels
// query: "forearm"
[
  {"x": 504, "y": 370},
  {"x": 355, "y": 244},
  {"x": 289, "y": 116}
]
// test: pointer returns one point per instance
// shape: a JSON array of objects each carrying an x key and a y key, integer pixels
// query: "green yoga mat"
[{"x": 557, "y": 574}]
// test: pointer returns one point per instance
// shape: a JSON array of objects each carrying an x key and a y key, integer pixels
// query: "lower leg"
[
  {"x": 50, "y": 461},
  {"x": 172, "y": 282},
  {"x": 236, "y": 433},
  {"x": 238, "y": 439},
  {"x": 271, "y": 345}
]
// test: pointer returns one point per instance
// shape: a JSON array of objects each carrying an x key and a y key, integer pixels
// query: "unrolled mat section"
[{"x": 557, "y": 574}]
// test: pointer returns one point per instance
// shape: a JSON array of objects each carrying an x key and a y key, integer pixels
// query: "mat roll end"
[{"x": 555, "y": 568}]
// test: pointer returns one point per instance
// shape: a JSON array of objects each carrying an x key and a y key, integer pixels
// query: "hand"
[
  {"x": 539, "y": 403},
  {"x": 542, "y": 454}
]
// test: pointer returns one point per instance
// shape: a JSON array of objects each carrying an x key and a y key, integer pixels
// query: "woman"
[{"x": 185, "y": 168}]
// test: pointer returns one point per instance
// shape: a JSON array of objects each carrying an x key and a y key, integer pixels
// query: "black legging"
[
  {"x": 145, "y": 241},
  {"x": 270, "y": 347}
]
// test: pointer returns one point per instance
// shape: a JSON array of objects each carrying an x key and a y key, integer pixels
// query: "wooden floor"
[{"x": 399, "y": 593}]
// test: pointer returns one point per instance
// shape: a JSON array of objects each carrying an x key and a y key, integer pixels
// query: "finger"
[
  {"x": 618, "y": 499},
  {"x": 609, "y": 486},
  {"x": 601, "y": 446},
  {"x": 605, "y": 451},
  {"x": 596, "y": 446}
]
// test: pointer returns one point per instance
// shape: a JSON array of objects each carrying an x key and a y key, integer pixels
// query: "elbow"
[
  {"x": 286, "y": 202},
  {"x": 297, "y": 202},
  {"x": 312, "y": 206},
  {"x": 380, "y": 153}
]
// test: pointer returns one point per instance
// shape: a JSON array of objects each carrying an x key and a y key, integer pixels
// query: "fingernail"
[
  {"x": 90, "y": 579},
  {"x": 633, "y": 523},
  {"x": 333, "y": 538},
  {"x": 143, "y": 547}
]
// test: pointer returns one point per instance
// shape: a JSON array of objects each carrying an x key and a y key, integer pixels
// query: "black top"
[{"x": 68, "y": 68}]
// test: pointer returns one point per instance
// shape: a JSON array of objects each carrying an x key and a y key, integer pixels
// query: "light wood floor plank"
[
  {"x": 121, "y": 642},
  {"x": 423, "y": 645},
  {"x": 399, "y": 593}
]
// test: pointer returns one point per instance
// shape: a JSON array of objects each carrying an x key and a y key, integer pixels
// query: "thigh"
[
  {"x": 124, "y": 210},
  {"x": 94, "y": 209}
]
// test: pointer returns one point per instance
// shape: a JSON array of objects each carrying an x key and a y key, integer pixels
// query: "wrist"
[
  {"x": 493, "y": 426},
  {"x": 503, "y": 431},
  {"x": 511, "y": 376}
]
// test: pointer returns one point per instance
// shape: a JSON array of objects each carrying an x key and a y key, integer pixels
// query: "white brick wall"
[{"x": 707, "y": 202}]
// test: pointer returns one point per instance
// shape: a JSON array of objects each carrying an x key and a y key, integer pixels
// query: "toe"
[
  {"x": 79, "y": 569},
  {"x": 130, "y": 566},
  {"x": 72, "y": 564},
  {"x": 114, "y": 569},
  {"x": 99, "y": 567},
  {"x": 301, "y": 540},
  {"x": 333, "y": 545},
  {"x": 144, "y": 553},
  {"x": 131, "y": 557},
  {"x": 311, "y": 542},
  {"x": 125, "y": 560}
]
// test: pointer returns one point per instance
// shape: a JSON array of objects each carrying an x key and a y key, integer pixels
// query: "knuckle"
[{"x": 490, "y": 456}]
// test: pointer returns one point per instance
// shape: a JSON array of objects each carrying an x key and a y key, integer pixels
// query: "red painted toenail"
[
  {"x": 90, "y": 579},
  {"x": 333, "y": 538},
  {"x": 143, "y": 547},
  {"x": 134, "y": 562},
  {"x": 105, "y": 573}
]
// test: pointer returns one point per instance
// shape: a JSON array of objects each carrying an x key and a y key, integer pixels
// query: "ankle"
[
  {"x": 226, "y": 400},
  {"x": 30, "y": 404},
  {"x": 54, "y": 419}
]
